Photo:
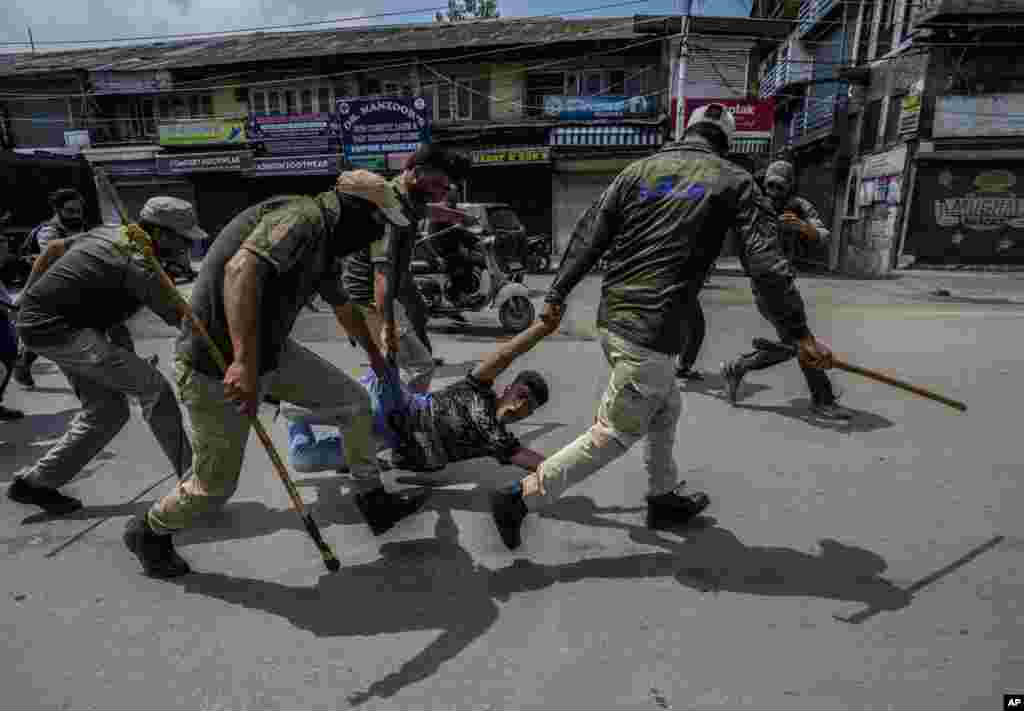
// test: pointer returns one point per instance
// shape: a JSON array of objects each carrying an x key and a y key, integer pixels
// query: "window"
[
  {"x": 869, "y": 126},
  {"x": 193, "y": 105},
  {"x": 595, "y": 83},
  {"x": 461, "y": 100},
  {"x": 259, "y": 103},
  {"x": 391, "y": 88},
  {"x": 885, "y": 28},
  {"x": 307, "y": 101},
  {"x": 892, "y": 119},
  {"x": 851, "y": 208},
  {"x": 616, "y": 82},
  {"x": 324, "y": 99},
  {"x": 372, "y": 87},
  {"x": 206, "y": 101},
  {"x": 289, "y": 102},
  {"x": 274, "y": 103}
]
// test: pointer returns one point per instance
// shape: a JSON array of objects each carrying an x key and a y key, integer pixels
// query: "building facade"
[{"x": 549, "y": 109}]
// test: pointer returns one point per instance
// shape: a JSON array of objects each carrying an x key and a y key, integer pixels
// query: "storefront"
[
  {"x": 874, "y": 201},
  {"x": 967, "y": 211},
  {"x": 517, "y": 176}
]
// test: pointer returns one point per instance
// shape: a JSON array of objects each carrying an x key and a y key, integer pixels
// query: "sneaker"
[
  {"x": 49, "y": 500},
  {"x": 832, "y": 411},
  {"x": 509, "y": 510},
  {"x": 687, "y": 374},
  {"x": 7, "y": 414},
  {"x": 673, "y": 508},
  {"x": 155, "y": 552},
  {"x": 733, "y": 378},
  {"x": 23, "y": 375},
  {"x": 383, "y": 509}
]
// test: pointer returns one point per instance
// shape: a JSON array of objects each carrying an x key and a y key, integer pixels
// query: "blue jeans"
[{"x": 307, "y": 454}]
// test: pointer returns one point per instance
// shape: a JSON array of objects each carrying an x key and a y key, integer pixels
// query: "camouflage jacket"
[{"x": 660, "y": 225}]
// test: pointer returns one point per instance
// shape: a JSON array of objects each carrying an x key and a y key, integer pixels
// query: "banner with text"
[
  {"x": 308, "y": 134},
  {"x": 328, "y": 164},
  {"x": 754, "y": 117},
  {"x": 202, "y": 133},
  {"x": 512, "y": 156},
  {"x": 371, "y": 129},
  {"x": 204, "y": 163}
]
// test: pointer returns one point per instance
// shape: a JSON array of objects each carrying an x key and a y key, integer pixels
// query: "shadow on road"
[
  {"x": 23, "y": 439},
  {"x": 713, "y": 385},
  {"x": 800, "y": 409},
  {"x": 435, "y": 584}
]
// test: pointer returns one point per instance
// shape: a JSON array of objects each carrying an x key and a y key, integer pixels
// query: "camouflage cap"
[
  {"x": 173, "y": 214},
  {"x": 374, "y": 189}
]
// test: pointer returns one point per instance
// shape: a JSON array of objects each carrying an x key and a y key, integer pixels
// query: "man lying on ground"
[{"x": 427, "y": 431}]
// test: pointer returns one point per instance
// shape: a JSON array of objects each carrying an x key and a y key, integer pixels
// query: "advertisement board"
[
  {"x": 370, "y": 129},
  {"x": 208, "y": 132},
  {"x": 325, "y": 164},
  {"x": 968, "y": 212},
  {"x": 204, "y": 163},
  {"x": 310, "y": 134},
  {"x": 754, "y": 117},
  {"x": 512, "y": 156},
  {"x": 598, "y": 107}
]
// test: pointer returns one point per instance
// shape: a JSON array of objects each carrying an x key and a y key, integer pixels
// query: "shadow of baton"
[
  {"x": 763, "y": 344},
  {"x": 139, "y": 237}
]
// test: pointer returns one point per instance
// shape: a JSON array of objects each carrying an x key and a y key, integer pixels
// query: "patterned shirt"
[{"x": 456, "y": 424}]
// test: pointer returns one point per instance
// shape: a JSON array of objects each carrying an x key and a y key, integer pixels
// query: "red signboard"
[{"x": 753, "y": 116}]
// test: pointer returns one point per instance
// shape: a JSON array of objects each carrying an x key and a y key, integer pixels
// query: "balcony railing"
[
  {"x": 812, "y": 12},
  {"x": 783, "y": 75}
]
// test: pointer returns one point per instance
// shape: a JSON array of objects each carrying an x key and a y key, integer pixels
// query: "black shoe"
[
  {"x": 383, "y": 509},
  {"x": 509, "y": 510},
  {"x": 688, "y": 374},
  {"x": 7, "y": 414},
  {"x": 733, "y": 378},
  {"x": 155, "y": 552},
  {"x": 674, "y": 508},
  {"x": 832, "y": 411},
  {"x": 49, "y": 500},
  {"x": 23, "y": 375}
]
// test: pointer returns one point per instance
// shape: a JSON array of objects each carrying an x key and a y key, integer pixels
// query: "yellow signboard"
[{"x": 512, "y": 156}]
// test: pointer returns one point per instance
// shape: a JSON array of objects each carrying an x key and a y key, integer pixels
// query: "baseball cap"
[
  {"x": 374, "y": 189},
  {"x": 176, "y": 215},
  {"x": 782, "y": 170},
  {"x": 714, "y": 115}
]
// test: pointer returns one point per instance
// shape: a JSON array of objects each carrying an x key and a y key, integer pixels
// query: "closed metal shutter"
[{"x": 572, "y": 194}]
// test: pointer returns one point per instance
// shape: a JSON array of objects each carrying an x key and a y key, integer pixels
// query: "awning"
[
  {"x": 605, "y": 136},
  {"x": 741, "y": 144}
]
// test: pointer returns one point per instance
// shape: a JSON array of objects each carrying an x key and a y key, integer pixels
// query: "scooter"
[
  {"x": 502, "y": 289},
  {"x": 538, "y": 254}
]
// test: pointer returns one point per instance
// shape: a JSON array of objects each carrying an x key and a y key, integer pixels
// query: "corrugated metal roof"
[{"x": 259, "y": 46}]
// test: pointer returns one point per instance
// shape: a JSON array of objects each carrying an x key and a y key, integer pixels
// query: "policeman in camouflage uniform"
[
  {"x": 660, "y": 224},
  {"x": 261, "y": 270},
  {"x": 66, "y": 313},
  {"x": 797, "y": 220}
]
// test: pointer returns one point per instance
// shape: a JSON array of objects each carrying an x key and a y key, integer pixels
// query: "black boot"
[
  {"x": 49, "y": 500},
  {"x": 383, "y": 509},
  {"x": 23, "y": 370},
  {"x": 155, "y": 552},
  {"x": 509, "y": 510},
  {"x": 673, "y": 508}
]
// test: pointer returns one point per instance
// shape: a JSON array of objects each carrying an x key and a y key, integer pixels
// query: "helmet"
[{"x": 714, "y": 115}]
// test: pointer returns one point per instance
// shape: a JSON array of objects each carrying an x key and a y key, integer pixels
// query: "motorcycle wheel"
[
  {"x": 538, "y": 263},
  {"x": 516, "y": 314}
]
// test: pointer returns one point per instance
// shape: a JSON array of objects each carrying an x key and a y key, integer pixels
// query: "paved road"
[{"x": 905, "y": 523}]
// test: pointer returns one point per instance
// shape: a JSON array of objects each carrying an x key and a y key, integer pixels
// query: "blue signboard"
[
  {"x": 373, "y": 128},
  {"x": 307, "y": 134},
  {"x": 598, "y": 107}
]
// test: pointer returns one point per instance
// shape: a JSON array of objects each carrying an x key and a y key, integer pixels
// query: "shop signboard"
[
  {"x": 205, "y": 163},
  {"x": 110, "y": 82},
  {"x": 576, "y": 108},
  {"x": 993, "y": 115},
  {"x": 309, "y": 134},
  {"x": 754, "y": 117},
  {"x": 512, "y": 156},
  {"x": 325, "y": 164},
  {"x": 371, "y": 129},
  {"x": 208, "y": 132},
  {"x": 968, "y": 211}
]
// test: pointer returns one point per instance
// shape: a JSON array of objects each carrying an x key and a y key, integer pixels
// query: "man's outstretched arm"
[{"x": 497, "y": 362}]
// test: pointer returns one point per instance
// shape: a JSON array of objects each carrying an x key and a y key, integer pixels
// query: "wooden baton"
[{"x": 765, "y": 344}]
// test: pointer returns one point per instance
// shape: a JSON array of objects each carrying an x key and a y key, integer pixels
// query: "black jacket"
[{"x": 660, "y": 225}]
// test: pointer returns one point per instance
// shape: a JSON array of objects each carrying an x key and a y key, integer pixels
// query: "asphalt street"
[{"x": 873, "y": 565}]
